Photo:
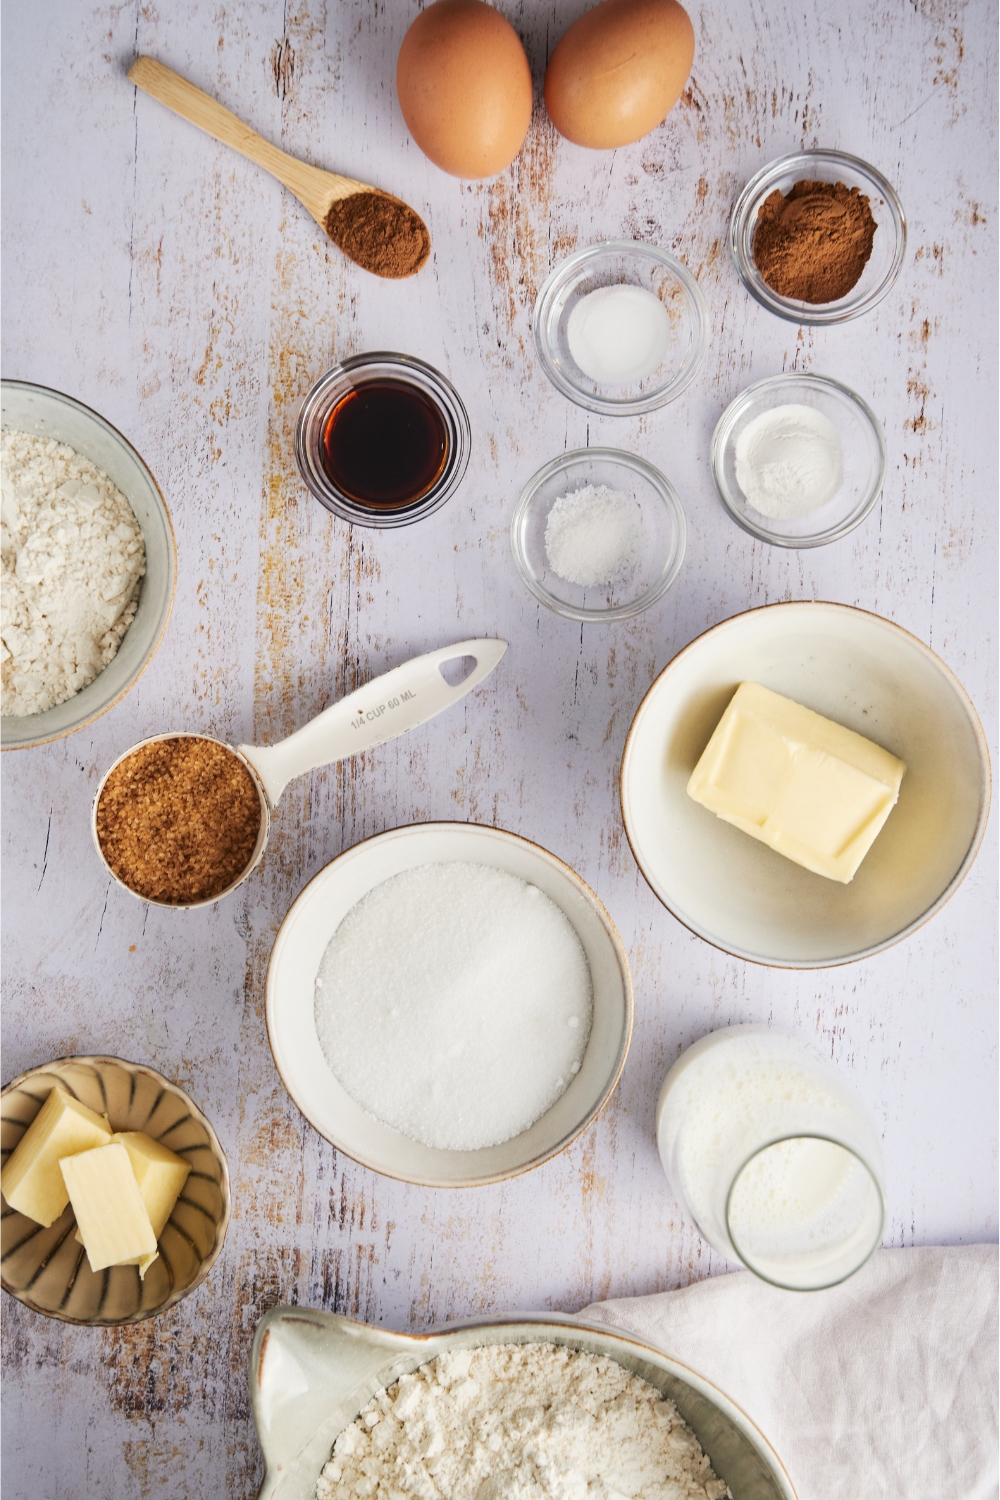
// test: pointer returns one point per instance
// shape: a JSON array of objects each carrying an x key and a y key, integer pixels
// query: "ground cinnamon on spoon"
[{"x": 379, "y": 233}]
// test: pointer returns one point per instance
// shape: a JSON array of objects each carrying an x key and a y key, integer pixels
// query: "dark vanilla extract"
[{"x": 384, "y": 444}]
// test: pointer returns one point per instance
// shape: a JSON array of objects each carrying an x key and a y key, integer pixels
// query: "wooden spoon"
[{"x": 377, "y": 231}]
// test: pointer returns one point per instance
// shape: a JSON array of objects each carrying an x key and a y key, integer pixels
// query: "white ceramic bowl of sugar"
[
  {"x": 302, "y": 940},
  {"x": 859, "y": 670},
  {"x": 50, "y": 414}
]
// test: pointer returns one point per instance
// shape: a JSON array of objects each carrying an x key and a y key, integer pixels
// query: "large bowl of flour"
[
  {"x": 48, "y": 414},
  {"x": 314, "y": 1374}
]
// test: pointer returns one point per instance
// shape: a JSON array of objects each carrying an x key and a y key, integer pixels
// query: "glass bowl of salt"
[
  {"x": 621, "y": 327},
  {"x": 598, "y": 535}
]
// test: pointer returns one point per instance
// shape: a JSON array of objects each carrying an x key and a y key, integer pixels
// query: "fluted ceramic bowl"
[
  {"x": 47, "y": 1269},
  {"x": 312, "y": 1373}
]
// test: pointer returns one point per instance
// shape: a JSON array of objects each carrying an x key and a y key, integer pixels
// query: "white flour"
[
  {"x": 519, "y": 1422},
  {"x": 72, "y": 557}
]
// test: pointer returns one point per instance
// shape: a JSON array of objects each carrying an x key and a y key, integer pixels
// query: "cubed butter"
[
  {"x": 111, "y": 1215},
  {"x": 31, "y": 1180},
  {"x": 809, "y": 788},
  {"x": 160, "y": 1174}
]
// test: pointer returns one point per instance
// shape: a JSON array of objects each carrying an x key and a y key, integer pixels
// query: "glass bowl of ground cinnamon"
[{"x": 818, "y": 237}]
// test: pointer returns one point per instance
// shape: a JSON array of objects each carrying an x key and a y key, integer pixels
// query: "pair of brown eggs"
[{"x": 464, "y": 82}]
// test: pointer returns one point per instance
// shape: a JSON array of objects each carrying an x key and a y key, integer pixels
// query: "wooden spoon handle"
[{"x": 314, "y": 188}]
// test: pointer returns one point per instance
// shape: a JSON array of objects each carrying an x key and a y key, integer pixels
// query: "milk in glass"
[{"x": 773, "y": 1156}]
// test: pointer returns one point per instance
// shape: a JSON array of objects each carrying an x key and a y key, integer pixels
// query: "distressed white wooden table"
[{"x": 164, "y": 281}]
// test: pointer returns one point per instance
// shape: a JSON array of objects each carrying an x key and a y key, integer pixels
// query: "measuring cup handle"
[{"x": 385, "y": 707}]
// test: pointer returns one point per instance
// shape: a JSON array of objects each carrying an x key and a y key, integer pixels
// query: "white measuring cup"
[{"x": 384, "y": 708}]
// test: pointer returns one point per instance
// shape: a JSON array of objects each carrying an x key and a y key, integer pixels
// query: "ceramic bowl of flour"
[
  {"x": 744, "y": 433},
  {"x": 861, "y": 671},
  {"x": 291, "y": 1000},
  {"x": 312, "y": 1373},
  {"x": 46, "y": 413}
]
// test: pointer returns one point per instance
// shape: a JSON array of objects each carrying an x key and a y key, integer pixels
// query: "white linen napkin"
[{"x": 883, "y": 1386}]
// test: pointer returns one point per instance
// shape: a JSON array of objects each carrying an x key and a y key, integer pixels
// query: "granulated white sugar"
[
  {"x": 520, "y": 1422},
  {"x": 593, "y": 535},
  {"x": 454, "y": 1003},
  {"x": 618, "y": 334}
]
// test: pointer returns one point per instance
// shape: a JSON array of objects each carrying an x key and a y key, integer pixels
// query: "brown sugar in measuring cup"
[
  {"x": 178, "y": 819},
  {"x": 181, "y": 819}
]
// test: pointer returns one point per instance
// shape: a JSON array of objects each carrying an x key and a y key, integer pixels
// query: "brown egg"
[
  {"x": 618, "y": 71},
  {"x": 464, "y": 87}
]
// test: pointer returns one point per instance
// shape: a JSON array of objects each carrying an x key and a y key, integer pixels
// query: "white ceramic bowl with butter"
[
  {"x": 50, "y": 414},
  {"x": 861, "y": 671},
  {"x": 302, "y": 940}
]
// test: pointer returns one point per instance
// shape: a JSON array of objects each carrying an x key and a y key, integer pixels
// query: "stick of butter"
[
  {"x": 160, "y": 1175},
  {"x": 111, "y": 1215},
  {"x": 809, "y": 788},
  {"x": 31, "y": 1180}
]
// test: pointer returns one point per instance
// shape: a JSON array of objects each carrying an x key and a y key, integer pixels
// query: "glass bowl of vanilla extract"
[{"x": 383, "y": 440}]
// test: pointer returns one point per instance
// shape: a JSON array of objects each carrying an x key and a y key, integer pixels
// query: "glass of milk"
[{"x": 773, "y": 1156}]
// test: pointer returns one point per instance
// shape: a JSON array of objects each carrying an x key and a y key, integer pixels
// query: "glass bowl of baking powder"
[{"x": 862, "y": 458}]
